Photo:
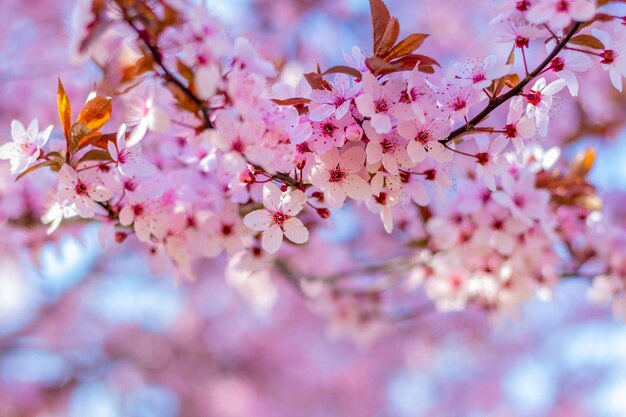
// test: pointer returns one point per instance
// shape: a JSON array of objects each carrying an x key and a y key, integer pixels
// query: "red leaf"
[
  {"x": 316, "y": 81},
  {"x": 390, "y": 36},
  {"x": 343, "y": 69},
  {"x": 296, "y": 101},
  {"x": 406, "y": 46},
  {"x": 380, "y": 19}
]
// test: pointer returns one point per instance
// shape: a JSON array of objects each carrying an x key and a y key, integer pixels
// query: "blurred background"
[{"x": 102, "y": 333}]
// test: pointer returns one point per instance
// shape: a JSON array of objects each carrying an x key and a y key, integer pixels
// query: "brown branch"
[
  {"x": 167, "y": 74},
  {"x": 514, "y": 91}
]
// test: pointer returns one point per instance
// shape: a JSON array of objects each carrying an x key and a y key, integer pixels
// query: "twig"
[{"x": 514, "y": 91}]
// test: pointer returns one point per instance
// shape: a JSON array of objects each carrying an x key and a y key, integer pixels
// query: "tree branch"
[{"x": 514, "y": 91}]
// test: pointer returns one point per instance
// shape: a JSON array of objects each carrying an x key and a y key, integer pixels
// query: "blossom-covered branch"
[{"x": 214, "y": 152}]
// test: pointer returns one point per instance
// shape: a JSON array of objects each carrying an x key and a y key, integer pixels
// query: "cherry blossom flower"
[
  {"x": 479, "y": 74},
  {"x": 382, "y": 203},
  {"x": 518, "y": 126},
  {"x": 389, "y": 150},
  {"x": 235, "y": 139},
  {"x": 248, "y": 55},
  {"x": 26, "y": 145},
  {"x": 416, "y": 100},
  {"x": 329, "y": 133},
  {"x": 337, "y": 176},
  {"x": 559, "y": 13},
  {"x": 614, "y": 55},
  {"x": 566, "y": 64},
  {"x": 377, "y": 101},
  {"x": 489, "y": 161},
  {"x": 519, "y": 33},
  {"x": 278, "y": 218},
  {"x": 434, "y": 171},
  {"x": 526, "y": 202},
  {"x": 83, "y": 189},
  {"x": 226, "y": 229},
  {"x": 539, "y": 100},
  {"x": 128, "y": 160},
  {"x": 336, "y": 101},
  {"x": 56, "y": 212},
  {"x": 448, "y": 286},
  {"x": 147, "y": 218},
  {"x": 424, "y": 139},
  {"x": 143, "y": 113},
  {"x": 456, "y": 100},
  {"x": 207, "y": 78}
]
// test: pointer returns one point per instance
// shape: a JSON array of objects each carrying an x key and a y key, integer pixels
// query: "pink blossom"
[
  {"x": 128, "y": 160},
  {"x": 336, "y": 101},
  {"x": 83, "y": 189},
  {"x": 566, "y": 64},
  {"x": 526, "y": 202},
  {"x": 388, "y": 150},
  {"x": 489, "y": 161},
  {"x": 207, "y": 79},
  {"x": 147, "y": 218},
  {"x": 382, "y": 203},
  {"x": 143, "y": 113},
  {"x": 479, "y": 74},
  {"x": 559, "y": 13},
  {"x": 278, "y": 217},
  {"x": 520, "y": 33},
  {"x": 377, "y": 101},
  {"x": 614, "y": 55},
  {"x": 56, "y": 212},
  {"x": 337, "y": 175},
  {"x": 518, "y": 126},
  {"x": 456, "y": 100},
  {"x": 329, "y": 133},
  {"x": 539, "y": 100},
  {"x": 424, "y": 139},
  {"x": 26, "y": 145}
]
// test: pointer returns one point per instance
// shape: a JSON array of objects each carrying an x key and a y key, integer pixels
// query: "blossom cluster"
[{"x": 214, "y": 155}]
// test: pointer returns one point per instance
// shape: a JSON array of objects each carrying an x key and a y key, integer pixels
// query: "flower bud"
[
  {"x": 247, "y": 177},
  {"x": 354, "y": 132},
  {"x": 324, "y": 213},
  {"x": 120, "y": 237},
  {"x": 318, "y": 195}
]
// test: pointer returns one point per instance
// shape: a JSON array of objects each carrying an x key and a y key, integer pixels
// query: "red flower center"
[
  {"x": 482, "y": 158},
  {"x": 337, "y": 174},
  {"x": 138, "y": 210},
  {"x": 521, "y": 42},
  {"x": 388, "y": 145},
  {"x": 510, "y": 131},
  {"x": 279, "y": 218},
  {"x": 227, "y": 229},
  {"x": 608, "y": 57},
  {"x": 558, "y": 64},
  {"x": 458, "y": 103},
  {"x": 534, "y": 97},
  {"x": 423, "y": 137},
  {"x": 237, "y": 146},
  {"x": 81, "y": 188},
  {"x": 381, "y": 106},
  {"x": 476, "y": 78},
  {"x": 522, "y": 5}
]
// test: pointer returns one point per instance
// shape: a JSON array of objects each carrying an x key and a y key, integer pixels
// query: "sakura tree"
[{"x": 424, "y": 174}]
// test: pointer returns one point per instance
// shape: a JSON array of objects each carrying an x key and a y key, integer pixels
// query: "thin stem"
[
  {"x": 459, "y": 152},
  {"x": 514, "y": 91},
  {"x": 167, "y": 74},
  {"x": 525, "y": 63},
  {"x": 571, "y": 48}
]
